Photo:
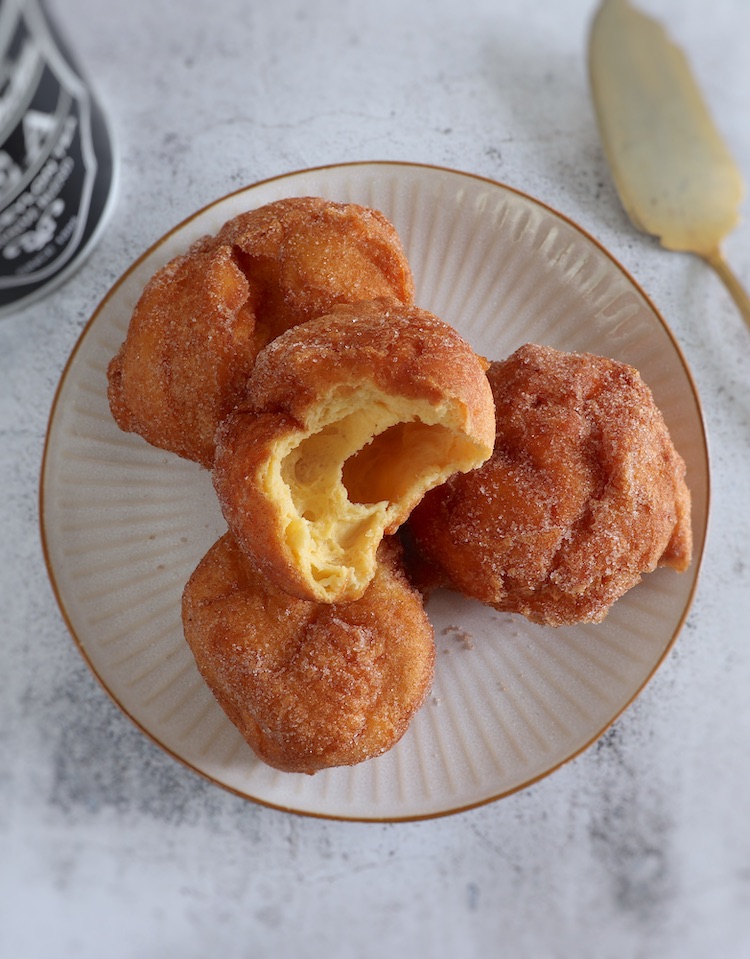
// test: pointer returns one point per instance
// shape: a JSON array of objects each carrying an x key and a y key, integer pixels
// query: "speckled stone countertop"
[{"x": 640, "y": 847}]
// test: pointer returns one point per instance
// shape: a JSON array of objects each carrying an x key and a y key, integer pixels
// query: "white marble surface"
[{"x": 640, "y": 847}]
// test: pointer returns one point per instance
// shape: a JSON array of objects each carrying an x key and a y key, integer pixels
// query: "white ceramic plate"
[{"x": 124, "y": 524}]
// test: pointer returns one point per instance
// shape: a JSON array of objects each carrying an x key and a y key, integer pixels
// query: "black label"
[{"x": 56, "y": 164}]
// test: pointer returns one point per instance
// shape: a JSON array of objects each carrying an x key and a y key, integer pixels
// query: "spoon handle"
[{"x": 738, "y": 292}]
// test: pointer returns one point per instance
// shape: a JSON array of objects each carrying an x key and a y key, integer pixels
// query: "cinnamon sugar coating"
[
  {"x": 202, "y": 319},
  {"x": 584, "y": 493},
  {"x": 348, "y": 420},
  {"x": 309, "y": 686}
]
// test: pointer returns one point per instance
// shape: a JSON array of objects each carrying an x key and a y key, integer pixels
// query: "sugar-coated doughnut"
[
  {"x": 584, "y": 493},
  {"x": 350, "y": 418},
  {"x": 201, "y": 320},
  {"x": 309, "y": 686}
]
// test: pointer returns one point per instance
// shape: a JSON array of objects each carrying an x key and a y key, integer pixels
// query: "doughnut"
[
  {"x": 583, "y": 494},
  {"x": 201, "y": 320},
  {"x": 309, "y": 686},
  {"x": 349, "y": 419}
]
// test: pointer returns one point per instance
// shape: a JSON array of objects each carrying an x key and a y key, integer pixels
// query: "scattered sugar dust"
[{"x": 460, "y": 635}]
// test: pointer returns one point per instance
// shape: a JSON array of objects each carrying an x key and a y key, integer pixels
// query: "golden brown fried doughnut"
[
  {"x": 201, "y": 320},
  {"x": 349, "y": 419},
  {"x": 583, "y": 494},
  {"x": 308, "y": 254},
  {"x": 309, "y": 686}
]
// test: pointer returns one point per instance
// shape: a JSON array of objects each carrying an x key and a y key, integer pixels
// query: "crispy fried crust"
[
  {"x": 201, "y": 320},
  {"x": 309, "y": 686},
  {"x": 583, "y": 494},
  {"x": 348, "y": 420}
]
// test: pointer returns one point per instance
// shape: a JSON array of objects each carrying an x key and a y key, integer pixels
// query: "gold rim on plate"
[{"x": 123, "y": 524}]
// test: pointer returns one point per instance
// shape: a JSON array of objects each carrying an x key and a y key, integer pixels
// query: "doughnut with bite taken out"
[{"x": 349, "y": 420}]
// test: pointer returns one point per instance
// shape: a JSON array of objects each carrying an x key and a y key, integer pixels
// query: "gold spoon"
[{"x": 672, "y": 170}]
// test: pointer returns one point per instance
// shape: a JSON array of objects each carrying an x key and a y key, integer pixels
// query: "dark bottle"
[{"x": 57, "y": 168}]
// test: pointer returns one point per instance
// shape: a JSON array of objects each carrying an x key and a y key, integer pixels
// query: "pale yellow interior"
[{"x": 363, "y": 464}]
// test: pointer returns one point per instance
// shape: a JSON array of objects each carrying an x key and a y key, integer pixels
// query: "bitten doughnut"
[
  {"x": 349, "y": 419},
  {"x": 201, "y": 320},
  {"x": 309, "y": 686},
  {"x": 583, "y": 494}
]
